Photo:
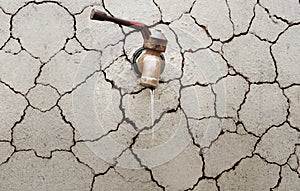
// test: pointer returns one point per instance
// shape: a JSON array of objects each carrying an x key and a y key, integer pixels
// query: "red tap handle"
[{"x": 101, "y": 16}]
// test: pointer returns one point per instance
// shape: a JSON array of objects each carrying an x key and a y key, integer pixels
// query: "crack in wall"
[
  {"x": 147, "y": 169},
  {"x": 229, "y": 14},
  {"x": 159, "y": 9},
  {"x": 182, "y": 87}
]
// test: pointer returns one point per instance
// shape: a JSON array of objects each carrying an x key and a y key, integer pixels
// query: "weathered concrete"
[{"x": 225, "y": 115}]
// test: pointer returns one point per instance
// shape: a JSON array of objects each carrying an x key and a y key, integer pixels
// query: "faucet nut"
[{"x": 156, "y": 41}]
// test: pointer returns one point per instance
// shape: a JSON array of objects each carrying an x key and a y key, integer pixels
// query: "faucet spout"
[{"x": 150, "y": 64}]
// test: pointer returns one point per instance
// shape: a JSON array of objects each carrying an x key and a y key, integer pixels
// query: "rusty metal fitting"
[{"x": 156, "y": 41}]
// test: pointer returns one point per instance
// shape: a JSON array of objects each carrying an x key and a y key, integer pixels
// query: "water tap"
[{"x": 148, "y": 61}]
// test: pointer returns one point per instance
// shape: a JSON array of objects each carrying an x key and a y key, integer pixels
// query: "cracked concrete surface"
[
  {"x": 250, "y": 174},
  {"x": 53, "y": 25},
  {"x": 4, "y": 25},
  {"x": 219, "y": 25},
  {"x": 43, "y": 132},
  {"x": 257, "y": 111},
  {"x": 250, "y": 57},
  {"x": 19, "y": 70},
  {"x": 285, "y": 53},
  {"x": 61, "y": 172},
  {"x": 226, "y": 112},
  {"x": 239, "y": 146}
]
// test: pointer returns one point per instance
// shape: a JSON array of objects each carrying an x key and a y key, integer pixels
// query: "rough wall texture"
[{"x": 225, "y": 115}]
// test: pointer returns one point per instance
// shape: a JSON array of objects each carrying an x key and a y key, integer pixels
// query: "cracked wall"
[{"x": 226, "y": 112}]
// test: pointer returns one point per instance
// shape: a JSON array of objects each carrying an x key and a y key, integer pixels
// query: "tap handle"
[{"x": 101, "y": 16}]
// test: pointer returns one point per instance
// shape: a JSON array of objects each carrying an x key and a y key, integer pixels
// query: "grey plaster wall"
[{"x": 225, "y": 115}]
